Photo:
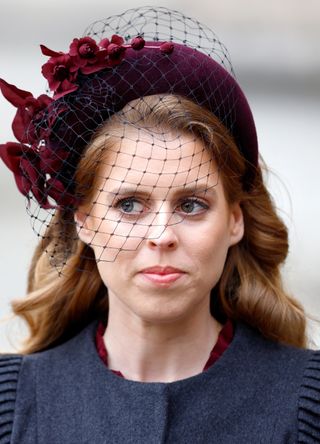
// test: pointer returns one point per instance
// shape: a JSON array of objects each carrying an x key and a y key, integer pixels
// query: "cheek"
[
  {"x": 209, "y": 248},
  {"x": 116, "y": 273},
  {"x": 111, "y": 237}
]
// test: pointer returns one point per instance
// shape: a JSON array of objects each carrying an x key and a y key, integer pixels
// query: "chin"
[{"x": 162, "y": 312}]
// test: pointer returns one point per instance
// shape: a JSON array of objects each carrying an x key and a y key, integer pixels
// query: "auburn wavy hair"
[{"x": 59, "y": 305}]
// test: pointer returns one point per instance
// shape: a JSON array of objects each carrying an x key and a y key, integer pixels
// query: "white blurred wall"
[{"x": 274, "y": 47}]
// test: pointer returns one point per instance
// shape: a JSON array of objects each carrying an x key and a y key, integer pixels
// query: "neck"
[{"x": 149, "y": 352}]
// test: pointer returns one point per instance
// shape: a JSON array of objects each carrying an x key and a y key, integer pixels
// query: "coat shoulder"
[{"x": 10, "y": 365}]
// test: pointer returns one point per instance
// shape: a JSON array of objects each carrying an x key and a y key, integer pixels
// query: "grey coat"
[{"x": 257, "y": 392}]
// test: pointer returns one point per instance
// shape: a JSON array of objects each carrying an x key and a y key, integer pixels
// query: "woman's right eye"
[{"x": 129, "y": 205}]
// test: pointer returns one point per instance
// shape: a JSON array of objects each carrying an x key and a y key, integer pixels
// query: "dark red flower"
[
  {"x": 137, "y": 43},
  {"x": 104, "y": 43},
  {"x": 56, "y": 190},
  {"x": 24, "y": 162},
  {"x": 31, "y": 166},
  {"x": 11, "y": 153},
  {"x": 101, "y": 62},
  {"x": 61, "y": 73},
  {"x": 49, "y": 52},
  {"x": 114, "y": 49},
  {"x": 13, "y": 94},
  {"x": 84, "y": 51},
  {"x": 117, "y": 40},
  {"x": 167, "y": 47},
  {"x": 24, "y": 123},
  {"x": 29, "y": 110}
]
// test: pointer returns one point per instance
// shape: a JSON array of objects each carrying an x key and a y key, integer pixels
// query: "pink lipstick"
[{"x": 162, "y": 275}]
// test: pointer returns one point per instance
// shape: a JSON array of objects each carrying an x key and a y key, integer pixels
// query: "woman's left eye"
[
  {"x": 190, "y": 206},
  {"x": 133, "y": 207}
]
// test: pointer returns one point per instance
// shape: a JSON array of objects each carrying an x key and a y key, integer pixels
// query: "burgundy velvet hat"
[{"x": 95, "y": 80}]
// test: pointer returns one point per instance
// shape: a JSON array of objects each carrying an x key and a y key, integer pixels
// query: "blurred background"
[{"x": 274, "y": 47}]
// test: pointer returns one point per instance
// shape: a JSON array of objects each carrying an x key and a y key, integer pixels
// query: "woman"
[{"x": 155, "y": 302}]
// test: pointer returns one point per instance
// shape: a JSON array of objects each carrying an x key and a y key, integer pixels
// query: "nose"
[{"x": 162, "y": 231}]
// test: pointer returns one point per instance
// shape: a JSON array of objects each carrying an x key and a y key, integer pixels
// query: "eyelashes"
[{"x": 133, "y": 207}]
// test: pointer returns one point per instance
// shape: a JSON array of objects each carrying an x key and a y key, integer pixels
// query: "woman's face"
[{"x": 160, "y": 204}]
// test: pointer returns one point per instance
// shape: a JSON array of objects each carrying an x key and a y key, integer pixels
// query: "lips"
[
  {"x": 161, "y": 270},
  {"x": 162, "y": 276}
]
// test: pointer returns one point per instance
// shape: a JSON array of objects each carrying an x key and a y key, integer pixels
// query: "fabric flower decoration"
[
  {"x": 84, "y": 51},
  {"x": 60, "y": 71},
  {"x": 115, "y": 49},
  {"x": 24, "y": 162},
  {"x": 31, "y": 165},
  {"x": 29, "y": 109},
  {"x": 36, "y": 165}
]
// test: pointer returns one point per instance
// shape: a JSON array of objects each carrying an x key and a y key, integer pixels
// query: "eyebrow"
[{"x": 188, "y": 189}]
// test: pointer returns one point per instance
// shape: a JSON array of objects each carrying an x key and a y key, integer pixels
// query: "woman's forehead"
[
  {"x": 158, "y": 160},
  {"x": 155, "y": 142}
]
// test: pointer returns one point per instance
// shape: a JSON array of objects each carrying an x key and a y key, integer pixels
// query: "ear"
[
  {"x": 84, "y": 229},
  {"x": 236, "y": 223}
]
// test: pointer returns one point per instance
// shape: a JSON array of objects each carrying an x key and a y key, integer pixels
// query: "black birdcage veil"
[
  {"x": 162, "y": 24},
  {"x": 141, "y": 179},
  {"x": 127, "y": 131}
]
